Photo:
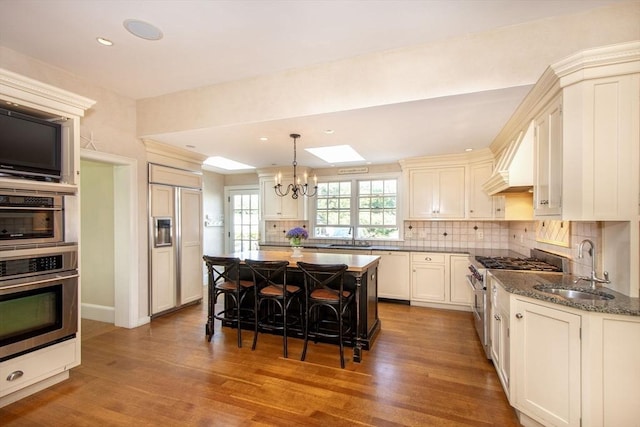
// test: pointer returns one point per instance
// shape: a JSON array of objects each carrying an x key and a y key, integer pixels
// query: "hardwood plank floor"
[{"x": 426, "y": 368}]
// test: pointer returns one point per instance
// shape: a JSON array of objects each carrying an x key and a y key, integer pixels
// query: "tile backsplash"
[{"x": 518, "y": 236}]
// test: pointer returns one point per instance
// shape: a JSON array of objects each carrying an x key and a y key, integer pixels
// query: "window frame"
[{"x": 354, "y": 211}]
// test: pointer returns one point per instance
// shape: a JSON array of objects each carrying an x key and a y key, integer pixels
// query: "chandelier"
[{"x": 296, "y": 188}]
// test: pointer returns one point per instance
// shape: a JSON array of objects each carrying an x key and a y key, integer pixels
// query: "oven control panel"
[{"x": 38, "y": 264}]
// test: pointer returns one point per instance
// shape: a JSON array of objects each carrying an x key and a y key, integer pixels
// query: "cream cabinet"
[
  {"x": 274, "y": 207},
  {"x": 601, "y": 136},
  {"x": 611, "y": 378},
  {"x": 481, "y": 205},
  {"x": 548, "y": 161},
  {"x": 439, "y": 280},
  {"x": 547, "y": 362},
  {"x": 393, "y": 275},
  {"x": 499, "y": 331},
  {"x": 436, "y": 192},
  {"x": 429, "y": 277},
  {"x": 37, "y": 370}
]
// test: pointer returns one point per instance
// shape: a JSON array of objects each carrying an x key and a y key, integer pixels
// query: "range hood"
[{"x": 514, "y": 170}]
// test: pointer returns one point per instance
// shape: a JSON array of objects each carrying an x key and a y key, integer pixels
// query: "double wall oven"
[
  {"x": 482, "y": 261},
  {"x": 38, "y": 298},
  {"x": 38, "y": 274}
]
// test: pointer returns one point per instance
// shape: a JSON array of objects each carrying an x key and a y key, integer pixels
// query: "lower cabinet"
[
  {"x": 41, "y": 366},
  {"x": 429, "y": 277},
  {"x": 547, "y": 364},
  {"x": 393, "y": 275},
  {"x": 439, "y": 280},
  {"x": 611, "y": 377},
  {"x": 562, "y": 366},
  {"x": 500, "y": 334}
]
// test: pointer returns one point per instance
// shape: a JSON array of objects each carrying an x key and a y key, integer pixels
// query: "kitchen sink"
[
  {"x": 347, "y": 246},
  {"x": 575, "y": 294}
]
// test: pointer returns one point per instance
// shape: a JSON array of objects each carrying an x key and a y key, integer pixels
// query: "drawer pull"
[
  {"x": 427, "y": 258},
  {"x": 14, "y": 375}
]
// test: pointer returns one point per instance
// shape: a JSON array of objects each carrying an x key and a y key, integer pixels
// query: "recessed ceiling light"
[
  {"x": 336, "y": 154},
  {"x": 468, "y": 149},
  {"x": 264, "y": 138},
  {"x": 142, "y": 29},
  {"x": 104, "y": 42},
  {"x": 224, "y": 163},
  {"x": 329, "y": 131}
]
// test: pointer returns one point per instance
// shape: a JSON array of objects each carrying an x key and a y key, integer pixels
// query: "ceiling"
[{"x": 211, "y": 42}]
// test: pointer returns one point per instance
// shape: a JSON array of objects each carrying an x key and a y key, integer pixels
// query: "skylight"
[
  {"x": 336, "y": 154},
  {"x": 223, "y": 163}
]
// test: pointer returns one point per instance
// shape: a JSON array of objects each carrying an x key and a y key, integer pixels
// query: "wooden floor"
[{"x": 426, "y": 368}]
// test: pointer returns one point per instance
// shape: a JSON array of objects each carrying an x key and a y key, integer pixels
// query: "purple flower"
[{"x": 297, "y": 233}]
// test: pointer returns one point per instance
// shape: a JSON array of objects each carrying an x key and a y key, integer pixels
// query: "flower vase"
[{"x": 297, "y": 252}]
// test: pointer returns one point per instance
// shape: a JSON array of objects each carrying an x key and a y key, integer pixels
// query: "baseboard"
[{"x": 100, "y": 313}]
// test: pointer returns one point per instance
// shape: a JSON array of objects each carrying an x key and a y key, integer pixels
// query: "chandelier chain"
[{"x": 296, "y": 188}]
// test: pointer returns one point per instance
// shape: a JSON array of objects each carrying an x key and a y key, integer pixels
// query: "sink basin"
[{"x": 575, "y": 294}]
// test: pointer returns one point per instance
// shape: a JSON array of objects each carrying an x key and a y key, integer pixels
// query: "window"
[{"x": 370, "y": 211}]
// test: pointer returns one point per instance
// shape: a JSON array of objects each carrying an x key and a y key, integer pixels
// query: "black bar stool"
[
  {"x": 224, "y": 279},
  {"x": 270, "y": 282},
  {"x": 324, "y": 287}
]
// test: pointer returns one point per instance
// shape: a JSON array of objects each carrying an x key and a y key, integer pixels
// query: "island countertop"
[{"x": 356, "y": 263}]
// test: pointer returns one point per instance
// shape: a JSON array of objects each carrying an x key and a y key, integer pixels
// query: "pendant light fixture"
[{"x": 297, "y": 187}]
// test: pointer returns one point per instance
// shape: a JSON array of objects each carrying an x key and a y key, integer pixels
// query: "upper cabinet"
[
  {"x": 275, "y": 207},
  {"x": 548, "y": 161},
  {"x": 600, "y": 143},
  {"x": 481, "y": 205},
  {"x": 586, "y": 114},
  {"x": 436, "y": 192},
  {"x": 28, "y": 96}
]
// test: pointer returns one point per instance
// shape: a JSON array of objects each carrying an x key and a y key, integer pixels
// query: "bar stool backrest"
[
  {"x": 223, "y": 269},
  {"x": 324, "y": 276},
  {"x": 267, "y": 273}
]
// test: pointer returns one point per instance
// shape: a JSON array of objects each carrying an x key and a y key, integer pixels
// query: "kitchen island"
[{"x": 361, "y": 278}]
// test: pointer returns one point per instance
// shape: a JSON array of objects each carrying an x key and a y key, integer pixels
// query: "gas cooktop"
[{"x": 512, "y": 263}]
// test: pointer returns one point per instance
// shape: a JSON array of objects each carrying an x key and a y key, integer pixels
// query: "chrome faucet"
[
  {"x": 352, "y": 231},
  {"x": 592, "y": 278}
]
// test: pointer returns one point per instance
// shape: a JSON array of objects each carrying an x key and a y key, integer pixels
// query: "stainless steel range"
[{"x": 482, "y": 261}]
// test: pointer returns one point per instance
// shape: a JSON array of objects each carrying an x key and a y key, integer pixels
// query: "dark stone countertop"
[
  {"x": 523, "y": 283},
  {"x": 461, "y": 251}
]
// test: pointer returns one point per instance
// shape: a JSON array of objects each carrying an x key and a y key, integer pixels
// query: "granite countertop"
[
  {"x": 373, "y": 248},
  {"x": 524, "y": 283}
]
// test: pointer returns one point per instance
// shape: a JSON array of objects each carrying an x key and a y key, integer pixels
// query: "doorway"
[
  {"x": 243, "y": 211},
  {"x": 121, "y": 243}
]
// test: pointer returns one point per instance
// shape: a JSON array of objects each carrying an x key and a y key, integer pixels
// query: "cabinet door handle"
[
  {"x": 495, "y": 316},
  {"x": 518, "y": 315},
  {"x": 14, "y": 375},
  {"x": 427, "y": 258}
]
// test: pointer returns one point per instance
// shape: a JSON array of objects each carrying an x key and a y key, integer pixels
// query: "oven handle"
[
  {"x": 38, "y": 282},
  {"x": 470, "y": 283}
]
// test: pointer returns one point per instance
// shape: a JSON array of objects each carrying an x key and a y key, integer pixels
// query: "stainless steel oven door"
[{"x": 36, "y": 312}]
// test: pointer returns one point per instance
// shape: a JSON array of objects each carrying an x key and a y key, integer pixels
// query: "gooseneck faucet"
[{"x": 592, "y": 278}]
